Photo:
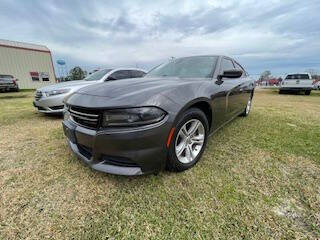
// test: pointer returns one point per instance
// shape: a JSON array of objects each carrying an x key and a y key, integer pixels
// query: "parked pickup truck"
[
  {"x": 297, "y": 82},
  {"x": 8, "y": 83}
]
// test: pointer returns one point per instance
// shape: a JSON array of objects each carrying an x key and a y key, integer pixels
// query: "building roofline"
[{"x": 31, "y": 48}]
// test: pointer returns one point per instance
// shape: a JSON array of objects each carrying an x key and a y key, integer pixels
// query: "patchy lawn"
[{"x": 259, "y": 178}]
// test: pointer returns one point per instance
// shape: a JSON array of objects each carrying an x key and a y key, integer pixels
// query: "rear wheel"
[
  {"x": 308, "y": 92},
  {"x": 280, "y": 91},
  {"x": 188, "y": 141}
]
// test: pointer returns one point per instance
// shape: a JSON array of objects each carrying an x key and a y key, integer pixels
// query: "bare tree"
[{"x": 313, "y": 73}]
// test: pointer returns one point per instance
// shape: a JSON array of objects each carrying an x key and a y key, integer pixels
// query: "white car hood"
[{"x": 70, "y": 84}]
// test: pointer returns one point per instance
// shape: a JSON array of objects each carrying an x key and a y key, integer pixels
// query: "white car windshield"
[
  {"x": 6, "y": 76},
  {"x": 97, "y": 75}
]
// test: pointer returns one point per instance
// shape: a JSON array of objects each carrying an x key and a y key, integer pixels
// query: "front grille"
[
  {"x": 118, "y": 161},
  {"x": 85, "y": 117},
  {"x": 57, "y": 107},
  {"x": 38, "y": 95}
]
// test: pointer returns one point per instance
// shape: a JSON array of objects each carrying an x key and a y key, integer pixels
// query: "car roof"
[
  {"x": 209, "y": 55},
  {"x": 297, "y": 73},
  {"x": 123, "y": 68}
]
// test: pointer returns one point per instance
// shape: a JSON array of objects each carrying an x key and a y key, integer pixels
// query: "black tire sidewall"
[{"x": 173, "y": 162}]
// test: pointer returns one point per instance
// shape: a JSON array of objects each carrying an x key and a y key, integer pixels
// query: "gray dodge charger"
[{"x": 140, "y": 126}]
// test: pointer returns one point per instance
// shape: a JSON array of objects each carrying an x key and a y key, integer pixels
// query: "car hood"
[
  {"x": 129, "y": 87},
  {"x": 134, "y": 92},
  {"x": 69, "y": 84}
]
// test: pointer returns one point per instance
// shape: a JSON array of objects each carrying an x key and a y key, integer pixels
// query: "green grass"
[{"x": 258, "y": 179}]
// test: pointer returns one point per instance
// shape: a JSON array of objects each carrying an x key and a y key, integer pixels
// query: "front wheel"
[
  {"x": 188, "y": 141},
  {"x": 247, "y": 110},
  {"x": 308, "y": 92}
]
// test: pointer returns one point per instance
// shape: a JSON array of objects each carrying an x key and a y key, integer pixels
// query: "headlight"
[
  {"x": 57, "y": 92},
  {"x": 66, "y": 115},
  {"x": 132, "y": 116}
]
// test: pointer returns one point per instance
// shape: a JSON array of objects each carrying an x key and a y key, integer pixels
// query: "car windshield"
[
  {"x": 188, "y": 67},
  {"x": 297, "y": 76},
  {"x": 6, "y": 76},
  {"x": 97, "y": 75}
]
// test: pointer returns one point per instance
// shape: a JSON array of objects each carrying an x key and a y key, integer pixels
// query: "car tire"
[
  {"x": 187, "y": 146},
  {"x": 280, "y": 91},
  {"x": 247, "y": 109},
  {"x": 308, "y": 92}
]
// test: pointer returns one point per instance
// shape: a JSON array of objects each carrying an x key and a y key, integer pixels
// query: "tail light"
[{"x": 14, "y": 81}]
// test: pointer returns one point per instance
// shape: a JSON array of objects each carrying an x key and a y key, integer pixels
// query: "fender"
[{"x": 191, "y": 103}]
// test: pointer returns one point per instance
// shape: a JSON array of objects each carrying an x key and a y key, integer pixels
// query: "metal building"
[{"x": 31, "y": 64}]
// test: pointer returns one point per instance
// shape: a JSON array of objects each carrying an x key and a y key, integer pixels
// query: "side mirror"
[{"x": 232, "y": 73}]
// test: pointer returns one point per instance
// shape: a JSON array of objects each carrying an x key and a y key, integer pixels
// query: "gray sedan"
[
  {"x": 49, "y": 99},
  {"x": 8, "y": 83},
  {"x": 141, "y": 126}
]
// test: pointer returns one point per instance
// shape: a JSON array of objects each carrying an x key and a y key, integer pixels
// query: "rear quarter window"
[{"x": 137, "y": 74}]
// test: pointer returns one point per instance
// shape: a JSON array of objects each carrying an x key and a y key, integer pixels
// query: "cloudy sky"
[{"x": 279, "y": 35}]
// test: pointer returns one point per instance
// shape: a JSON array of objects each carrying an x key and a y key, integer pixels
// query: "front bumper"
[
  {"x": 53, "y": 104},
  {"x": 124, "y": 152}
]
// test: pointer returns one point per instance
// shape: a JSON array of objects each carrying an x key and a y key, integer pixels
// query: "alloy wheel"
[{"x": 189, "y": 141}]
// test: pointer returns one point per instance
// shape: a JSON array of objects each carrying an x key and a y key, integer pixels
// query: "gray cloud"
[{"x": 278, "y": 35}]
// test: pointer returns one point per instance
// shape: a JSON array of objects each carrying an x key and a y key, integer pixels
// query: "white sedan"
[{"x": 49, "y": 99}]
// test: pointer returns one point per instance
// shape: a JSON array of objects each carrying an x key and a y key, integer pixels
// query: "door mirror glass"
[{"x": 232, "y": 73}]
